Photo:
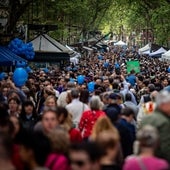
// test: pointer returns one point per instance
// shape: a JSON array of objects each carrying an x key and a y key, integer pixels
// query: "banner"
[{"x": 133, "y": 65}]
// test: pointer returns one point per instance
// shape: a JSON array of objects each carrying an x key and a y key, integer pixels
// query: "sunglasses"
[{"x": 79, "y": 163}]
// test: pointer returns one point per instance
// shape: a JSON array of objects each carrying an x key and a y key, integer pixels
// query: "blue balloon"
[
  {"x": 91, "y": 87},
  {"x": 20, "y": 76},
  {"x": 45, "y": 70},
  {"x": 2, "y": 76},
  {"x": 106, "y": 64},
  {"x": 28, "y": 69},
  {"x": 117, "y": 66},
  {"x": 80, "y": 79},
  {"x": 168, "y": 70}
]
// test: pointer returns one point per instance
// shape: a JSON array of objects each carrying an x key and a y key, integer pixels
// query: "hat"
[
  {"x": 114, "y": 96},
  {"x": 163, "y": 97}
]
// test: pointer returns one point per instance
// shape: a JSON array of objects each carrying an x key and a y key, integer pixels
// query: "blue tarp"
[{"x": 8, "y": 58}]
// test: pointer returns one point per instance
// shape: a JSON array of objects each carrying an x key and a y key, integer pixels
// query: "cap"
[
  {"x": 114, "y": 96},
  {"x": 163, "y": 97}
]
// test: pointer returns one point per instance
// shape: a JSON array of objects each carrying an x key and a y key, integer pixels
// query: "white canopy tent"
[
  {"x": 120, "y": 43},
  {"x": 144, "y": 49},
  {"x": 166, "y": 56},
  {"x": 146, "y": 52},
  {"x": 158, "y": 52}
]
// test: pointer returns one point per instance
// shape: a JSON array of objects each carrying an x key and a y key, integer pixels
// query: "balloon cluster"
[
  {"x": 80, "y": 79},
  {"x": 91, "y": 87},
  {"x": 21, "y": 48}
]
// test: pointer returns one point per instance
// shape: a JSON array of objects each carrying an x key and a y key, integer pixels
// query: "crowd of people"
[{"x": 54, "y": 122}]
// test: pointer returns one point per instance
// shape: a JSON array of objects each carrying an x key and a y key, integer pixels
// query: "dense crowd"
[{"x": 54, "y": 122}]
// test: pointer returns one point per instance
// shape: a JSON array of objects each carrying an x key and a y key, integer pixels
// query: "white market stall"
[
  {"x": 159, "y": 52},
  {"x": 166, "y": 56},
  {"x": 144, "y": 49},
  {"x": 120, "y": 43}
]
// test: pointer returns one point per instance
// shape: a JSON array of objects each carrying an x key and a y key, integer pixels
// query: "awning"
[
  {"x": 8, "y": 58},
  {"x": 87, "y": 48}
]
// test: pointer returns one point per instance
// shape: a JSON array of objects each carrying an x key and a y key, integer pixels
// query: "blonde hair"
[
  {"x": 49, "y": 98},
  {"x": 103, "y": 124},
  {"x": 60, "y": 140}
]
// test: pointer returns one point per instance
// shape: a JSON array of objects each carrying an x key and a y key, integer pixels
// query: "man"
[
  {"x": 76, "y": 108},
  {"x": 62, "y": 100},
  {"x": 85, "y": 156},
  {"x": 161, "y": 120}
]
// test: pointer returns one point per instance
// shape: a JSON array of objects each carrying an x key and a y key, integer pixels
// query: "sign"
[{"x": 133, "y": 65}]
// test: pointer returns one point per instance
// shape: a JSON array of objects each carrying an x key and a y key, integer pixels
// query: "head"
[
  {"x": 114, "y": 98},
  {"x": 147, "y": 137},
  {"x": 34, "y": 149},
  {"x": 128, "y": 97},
  {"x": 62, "y": 114},
  {"x": 95, "y": 103},
  {"x": 102, "y": 124},
  {"x": 163, "y": 102},
  {"x": 85, "y": 156},
  {"x": 70, "y": 85},
  {"x": 60, "y": 140},
  {"x": 75, "y": 94},
  {"x": 128, "y": 114},
  {"x": 13, "y": 104},
  {"x": 51, "y": 101},
  {"x": 84, "y": 96},
  {"x": 110, "y": 144},
  {"x": 28, "y": 107},
  {"x": 49, "y": 120}
]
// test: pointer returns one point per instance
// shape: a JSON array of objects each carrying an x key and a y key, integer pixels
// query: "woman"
[
  {"x": 147, "y": 142},
  {"x": 50, "y": 101},
  {"x": 89, "y": 117},
  {"x": 65, "y": 121},
  {"x": 28, "y": 116},
  {"x": 13, "y": 106},
  {"x": 58, "y": 160},
  {"x": 110, "y": 144},
  {"x": 102, "y": 124}
]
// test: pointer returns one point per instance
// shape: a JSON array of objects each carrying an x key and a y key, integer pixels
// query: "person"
[
  {"x": 102, "y": 124},
  {"x": 60, "y": 141},
  {"x": 89, "y": 117},
  {"x": 147, "y": 143},
  {"x": 132, "y": 79},
  {"x": 160, "y": 119},
  {"x": 13, "y": 104},
  {"x": 62, "y": 97},
  {"x": 6, "y": 152},
  {"x": 65, "y": 121},
  {"x": 76, "y": 108},
  {"x": 48, "y": 122},
  {"x": 85, "y": 156},
  {"x": 34, "y": 149},
  {"x": 50, "y": 101},
  {"x": 110, "y": 144},
  {"x": 127, "y": 118},
  {"x": 28, "y": 116}
]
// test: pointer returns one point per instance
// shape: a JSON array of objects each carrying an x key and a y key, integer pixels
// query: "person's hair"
[
  {"x": 25, "y": 104},
  {"x": 14, "y": 99},
  {"x": 128, "y": 97},
  {"x": 107, "y": 140},
  {"x": 6, "y": 146},
  {"x": 70, "y": 85},
  {"x": 49, "y": 91},
  {"x": 60, "y": 140},
  {"x": 127, "y": 111},
  {"x": 75, "y": 93},
  {"x": 84, "y": 96},
  {"x": 49, "y": 98},
  {"x": 95, "y": 103},
  {"x": 102, "y": 124},
  {"x": 38, "y": 143},
  {"x": 151, "y": 88},
  {"x": 148, "y": 136},
  {"x": 7, "y": 125},
  {"x": 46, "y": 110},
  {"x": 91, "y": 148}
]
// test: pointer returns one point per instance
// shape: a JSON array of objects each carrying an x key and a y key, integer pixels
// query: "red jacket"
[{"x": 88, "y": 120}]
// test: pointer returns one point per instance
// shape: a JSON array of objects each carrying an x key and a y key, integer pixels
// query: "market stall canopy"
[
  {"x": 144, "y": 49},
  {"x": 158, "y": 52},
  {"x": 8, "y": 58},
  {"x": 45, "y": 43},
  {"x": 166, "y": 55},
  {"x": 120, "y": 43},
  {"x": 87, "y": 48}
]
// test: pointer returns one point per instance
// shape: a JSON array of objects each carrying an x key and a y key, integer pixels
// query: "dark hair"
[
  {"x": 5, "y": 123},
  {"x": 38, "y": 143},
  {"x": 15, "y": 99},
  {"x": 91, "y": 148},
  {"x": 84, "y": 96},
  {"x": 128, "y": 97},
  {"x": 61, "y": 111},
  {"x": 127, "y": 111}
]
